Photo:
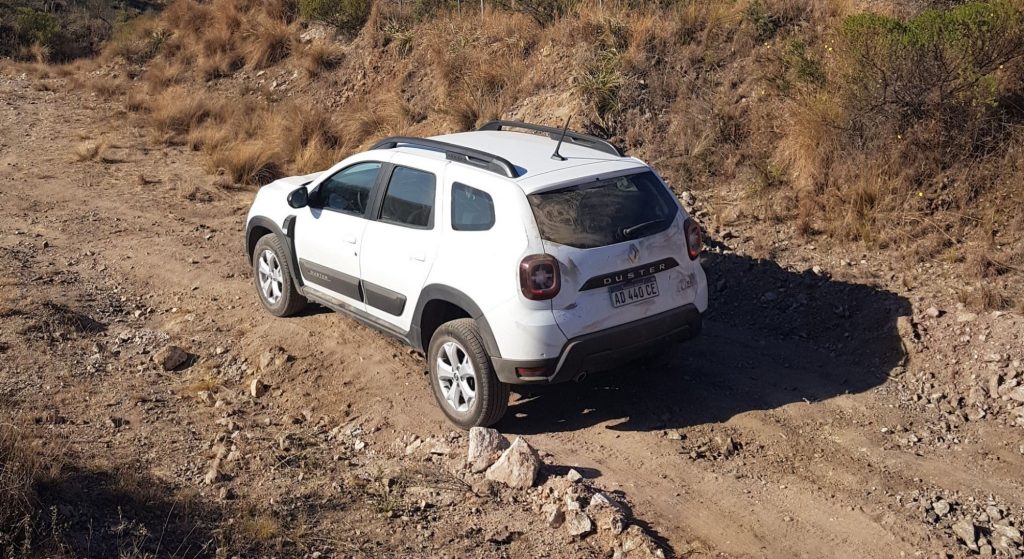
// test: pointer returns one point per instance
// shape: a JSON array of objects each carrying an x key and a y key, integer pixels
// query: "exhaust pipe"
[{"x": 580, "y": 377}]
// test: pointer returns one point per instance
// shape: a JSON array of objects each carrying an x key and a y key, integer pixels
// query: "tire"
[
  {"x": 490, "y": 396},
  {"x": 283, "y": 299}
]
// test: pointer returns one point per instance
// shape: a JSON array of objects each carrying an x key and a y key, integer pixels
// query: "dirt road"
[{"x": 779, "y": 432}]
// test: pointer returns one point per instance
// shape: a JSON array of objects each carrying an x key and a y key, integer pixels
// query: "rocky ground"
[{"x": 838, "y": 403}]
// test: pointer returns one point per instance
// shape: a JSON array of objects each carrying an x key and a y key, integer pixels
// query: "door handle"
[
  {"x": 418, "y": 256},
  {"x": 350, "y": 240}
]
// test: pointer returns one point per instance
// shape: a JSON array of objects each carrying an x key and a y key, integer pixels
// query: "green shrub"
[
  {"x": 937, "y": 59},
  {"x": 34, "y": 26},
  {"x": 347, "y": 15}
]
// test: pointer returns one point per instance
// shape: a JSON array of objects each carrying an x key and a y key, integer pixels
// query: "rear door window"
[
  {"x": 409, "y": 200},
  {"x": 604, "y": 212}
]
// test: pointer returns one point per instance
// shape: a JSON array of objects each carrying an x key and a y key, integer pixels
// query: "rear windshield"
[{"x": 604, "y": 212}]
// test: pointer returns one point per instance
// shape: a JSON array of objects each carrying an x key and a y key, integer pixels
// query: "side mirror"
[{"x": 299, "y": 198}]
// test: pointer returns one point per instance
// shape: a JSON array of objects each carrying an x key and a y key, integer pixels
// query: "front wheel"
[
  {"x": 273, "y": 278},
  {"x": 462, "y": 378}
]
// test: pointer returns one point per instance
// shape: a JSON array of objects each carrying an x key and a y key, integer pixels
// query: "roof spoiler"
[
  {"x": 453, "y": 152},
  {"x": 585, "y": 140}
]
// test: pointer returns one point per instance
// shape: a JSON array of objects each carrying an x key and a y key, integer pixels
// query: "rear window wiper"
[{"x": 628, "y": 231}]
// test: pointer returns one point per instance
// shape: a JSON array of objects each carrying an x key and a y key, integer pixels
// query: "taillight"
[
  {"x": 538, "y": 277},
  {"x": 694, "y": 238}
]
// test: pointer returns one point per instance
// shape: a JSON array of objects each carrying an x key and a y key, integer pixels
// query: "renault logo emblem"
[{"x": 634, "y": 254}]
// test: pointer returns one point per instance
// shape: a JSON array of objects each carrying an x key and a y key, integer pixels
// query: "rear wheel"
[
  {"x": 462, "y": 378},
  {"x": 273, "y": 278}
]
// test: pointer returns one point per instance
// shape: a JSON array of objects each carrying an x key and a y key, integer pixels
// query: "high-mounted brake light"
[
  {"x": 539, "y": 277},
  {"x": 694, "y": 238}
]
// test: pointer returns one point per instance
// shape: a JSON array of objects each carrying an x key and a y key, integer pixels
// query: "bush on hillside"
[
  {"x": 347, "y": 15},
  {"x": 942, "y": 61}
]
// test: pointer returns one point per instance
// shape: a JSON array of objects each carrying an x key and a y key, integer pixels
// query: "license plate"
[{"x": 634, "y": 292}]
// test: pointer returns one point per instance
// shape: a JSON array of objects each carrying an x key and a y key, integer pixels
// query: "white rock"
[
  {"x": 573, "y": 475},
  {"x": 554, "y": 516},
  {"x": 206, "y": 397},
  {"x": 1017, "y": 394},
  {"x": 941, "y": 507},
  {"x": 577, "y": 523},
  {"x": 170, "y": 357},
  {"x": 485, "y": 446},
  {"x": 257, "y": 388},
  {"x": 965, "y": 530},
  {"x": 607, "y": 515},
  {"x": 517, "y": 467}
]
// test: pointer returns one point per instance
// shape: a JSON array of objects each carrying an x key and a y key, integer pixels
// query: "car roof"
[{"x": 531, "y": 155}]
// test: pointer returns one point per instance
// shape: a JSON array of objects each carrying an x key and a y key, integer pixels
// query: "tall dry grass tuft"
[
  {"x": 178, "y": 111},
  {"x": 248, "y": 162},
  {"x": 320, "y": 56},
  {"x": 266, "y": 41},
  {"x": 23, "y": 467}
]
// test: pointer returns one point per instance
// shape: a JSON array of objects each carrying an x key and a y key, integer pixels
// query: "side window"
[
  {"x": 349, "y": 189},
  {"x": 472, "y": 209},
  {"x": 409, "y": 199}
]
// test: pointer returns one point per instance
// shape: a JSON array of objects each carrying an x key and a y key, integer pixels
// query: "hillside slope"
[{"x": 896, "y": 127}]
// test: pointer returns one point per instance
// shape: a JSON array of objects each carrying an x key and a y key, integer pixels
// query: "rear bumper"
[{"x": 607, "y": 349}]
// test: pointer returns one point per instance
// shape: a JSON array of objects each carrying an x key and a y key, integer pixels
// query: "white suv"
[{"x": 528, "y": 257}]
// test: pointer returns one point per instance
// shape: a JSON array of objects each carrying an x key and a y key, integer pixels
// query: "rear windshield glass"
[{"x": 604, "y": 212}]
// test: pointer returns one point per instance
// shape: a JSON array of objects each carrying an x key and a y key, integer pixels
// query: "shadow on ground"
[
  {"x": 772, "y": 337},
  {"x": 92, "y": 513}
]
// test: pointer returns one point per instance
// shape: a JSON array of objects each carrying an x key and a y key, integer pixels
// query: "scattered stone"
[
  {"x": 941, "y": 507},
  {"x": 413, "y": 446},
  {"x": 273, "y": 358},
  {"x": 965, "y": 530},
  {"x": 485, "y": 446},
  {"x": 727, "y": 446},
  {"x": 257, "y": 388},
  {"x": 440, "y": 449},
  {"x": 225, "y": 493},
  {"x": 964, "y": 316},
  {"x": 817, "y": 270},
  {"x": 485, "y": 488},
  {"x": 116, "y": 422},
  {"x": 170, "y": 357},
  {"x": 933, "y": 312},
  {"x": 908, "y": 333},
  {"x": 1017, "y": 394},
  {"x": 577, "y": 523},
  {"x": 554, "y": 516},
  {"x": 608, "y": 515},
  {"x": 573, "y": 475},
  {"x": 205, "y": 397},
  {"x": 214, "y": 473},
  {"x": 517, "y": 467}
]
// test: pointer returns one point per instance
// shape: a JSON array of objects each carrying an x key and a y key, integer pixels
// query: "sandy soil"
[{"x": 795, "y": 426}]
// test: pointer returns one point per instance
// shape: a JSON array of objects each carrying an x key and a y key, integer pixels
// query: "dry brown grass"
[
  {"x": 320, "y": 56},
  {"x": 178, "y": 110},
  {"x": 266, "y": 41},
  {"x": 249, "y": 162},
  {"x": 736, "y": 96},
  {"x": 24, "y": 465},
  {"x": 90, "y": 151}
]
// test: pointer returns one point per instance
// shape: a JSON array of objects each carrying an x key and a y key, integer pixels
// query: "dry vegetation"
[{"x": 896, "y": 129}]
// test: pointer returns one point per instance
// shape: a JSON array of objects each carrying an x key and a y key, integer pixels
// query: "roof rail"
[
  {"x": 586, "y": 140},
  {"x": 454, "y": 152}
]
